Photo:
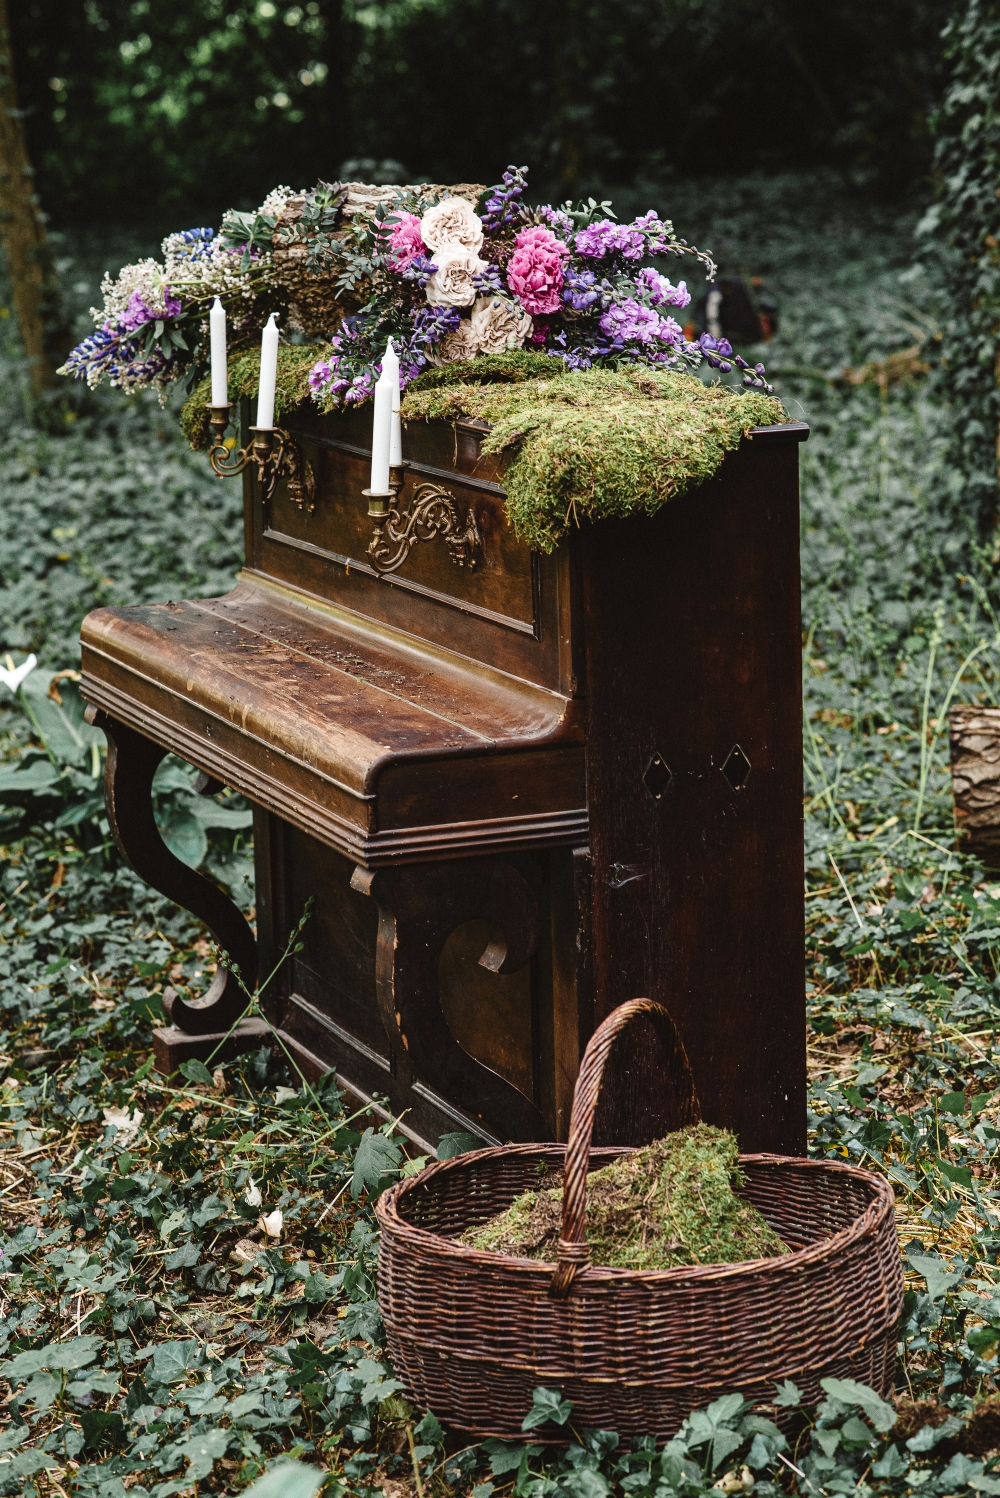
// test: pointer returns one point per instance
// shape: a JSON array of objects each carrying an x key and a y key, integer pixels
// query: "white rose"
[
  {"x": 499, "y": 324},
  {"x": 451, "y": 285},
  {"x": 460, "y": 343},
  {"x": 452, "y": 221}
]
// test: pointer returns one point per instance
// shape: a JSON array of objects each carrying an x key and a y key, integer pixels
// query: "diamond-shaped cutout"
[
  {"x": 737, "y": 768},
  {"x": 657, "y": 776}
]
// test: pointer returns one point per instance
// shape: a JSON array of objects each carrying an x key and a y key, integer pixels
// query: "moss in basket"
[{"x": 668, "y": 1204}]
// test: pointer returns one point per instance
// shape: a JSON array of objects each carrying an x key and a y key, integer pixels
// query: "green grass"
[{"x": 133, "y": 1248}]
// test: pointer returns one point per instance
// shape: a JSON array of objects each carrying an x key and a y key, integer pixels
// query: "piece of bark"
[{"x": 975, "y": 775}]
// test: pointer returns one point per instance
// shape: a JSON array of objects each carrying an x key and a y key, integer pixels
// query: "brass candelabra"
[
  {"x": 275, "y": 452},
  {"x": 432, "y": 512}
]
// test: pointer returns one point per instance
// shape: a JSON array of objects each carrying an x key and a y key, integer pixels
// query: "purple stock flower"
[
  {"x": 661, "y": 292},
  {"x": 558, "y": 220},
  {"x": 630, "y": 322},
  {"x": 607, "y": 238}
]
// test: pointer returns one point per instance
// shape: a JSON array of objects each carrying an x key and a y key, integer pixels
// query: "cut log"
[{"x": 975, "y": 775}]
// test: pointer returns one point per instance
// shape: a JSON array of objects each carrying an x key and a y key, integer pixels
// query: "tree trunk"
[
  {"x": 975, "y": 774},
  {"x": 22, "y": 227}
]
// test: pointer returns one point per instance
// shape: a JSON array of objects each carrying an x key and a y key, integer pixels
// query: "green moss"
[
  {"x": 295, "y": 360},
  {"x": 668, "y": 1204},
  {"x": 590, "y": 444},
  {"x": 509, "y": 368}
]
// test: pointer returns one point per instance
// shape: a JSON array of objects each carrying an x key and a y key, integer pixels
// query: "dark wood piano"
[{"x": 518, "y": 792}]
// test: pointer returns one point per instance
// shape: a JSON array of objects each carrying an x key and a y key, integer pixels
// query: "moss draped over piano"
[{"x": 585, "y": 444}]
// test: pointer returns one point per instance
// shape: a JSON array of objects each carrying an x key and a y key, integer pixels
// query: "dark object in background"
[
  {"x": 728, "y": 309},
  {"x": 518, "y": 795}
]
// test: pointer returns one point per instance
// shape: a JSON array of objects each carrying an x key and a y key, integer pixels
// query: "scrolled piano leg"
[
  {"x": 128, "y": 783},
  {"x": 419, "y": 907}
]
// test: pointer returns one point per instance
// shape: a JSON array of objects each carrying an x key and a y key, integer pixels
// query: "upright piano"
[{"x": 510, "y": 789}]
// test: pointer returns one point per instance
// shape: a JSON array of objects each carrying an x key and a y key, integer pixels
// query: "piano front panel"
[{"x": 510, "y": 611}]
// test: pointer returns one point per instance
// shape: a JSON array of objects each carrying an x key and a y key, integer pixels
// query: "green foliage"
[
  {"x": 134, "y": 1236},
  {"x": 592, "y": 444},
  {"x": 193, "y": 106},
  {"x": 180, "y": 108},
  {"x": 961, "y": 233}
]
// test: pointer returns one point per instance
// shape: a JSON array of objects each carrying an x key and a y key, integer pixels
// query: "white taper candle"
[
  {"x": 382, "y": 428},
  {"x": 217, "y": 341},
  {"x": 390, "y": 365},
  {"x": 268, "y": 374}
]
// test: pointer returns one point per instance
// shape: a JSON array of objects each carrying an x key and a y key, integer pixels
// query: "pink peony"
[
  {"x": 535, "y": 273},
  {"x": 405, "y": 243}
]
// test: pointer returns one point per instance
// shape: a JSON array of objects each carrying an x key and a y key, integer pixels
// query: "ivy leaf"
[
  {"x": 363, "y": 1319},
  {"x": 849, "y": 1391},
  {"x": 76, "y": 1353},
  {"x": 376, "y": 1159},
  {"x": 288, "y": 1479},
  {"x": 939, "y": 1277},
  {"x": 890, "y": 1464},
  {"x": 789, "y": 1395},
  {"x": 450, "y": 1145},
  {"x": 196, "y": 1071},
  {"x": 184, "y": 1257},
  {"x": 546, "y": 1405},
  {"x": 172, "y": 1360},
  {"x": 202, "y": 1451}
]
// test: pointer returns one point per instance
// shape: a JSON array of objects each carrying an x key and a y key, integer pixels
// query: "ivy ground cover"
[{"x": 155, "y": 1337}]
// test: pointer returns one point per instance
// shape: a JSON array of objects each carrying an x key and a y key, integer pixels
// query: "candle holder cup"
[
  {"x": 432, "y": 512},
  {"x": 275, "y": 452}
]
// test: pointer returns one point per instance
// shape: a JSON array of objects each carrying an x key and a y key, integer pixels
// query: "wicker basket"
[{"x": 471, "y": 1334}]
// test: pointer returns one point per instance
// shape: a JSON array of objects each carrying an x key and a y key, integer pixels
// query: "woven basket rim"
[{"x": 430, "y": 1244}]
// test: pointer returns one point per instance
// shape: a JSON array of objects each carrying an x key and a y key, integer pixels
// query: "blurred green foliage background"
[{"x": 158, "y": 114}]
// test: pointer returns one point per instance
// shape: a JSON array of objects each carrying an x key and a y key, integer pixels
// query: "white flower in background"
[
  {"x": 460, "y": 343},
  {"x": 273, "y": 205},
  {"x": 499, "y": 324},
  {"x": 12, "y": 676},
  {"x": 272, "y": 1223},
  {"x": 452, "y": 286},
  {"x": 452, "y": 222},
  {"x": 284, "y": 1095},
  {"x": 127, "y": 1124},
  {"x": 252, "y": 1195}
]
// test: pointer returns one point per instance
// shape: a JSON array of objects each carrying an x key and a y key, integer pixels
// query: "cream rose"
[
  {"x": 498, "y": 324},
  {"x": 451, "y": 285},
  {"x": 451, "y": 222},
  {"x": 460, "y": 343}
]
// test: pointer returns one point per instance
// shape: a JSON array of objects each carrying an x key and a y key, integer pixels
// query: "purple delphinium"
[
  {"x": 660, "y": 291},
  {"x": 581, "y": 289},
  {"x": 488, "y": 282},
  {"x": 419, "y": 269},
  {"x": 503, "y": 206}
]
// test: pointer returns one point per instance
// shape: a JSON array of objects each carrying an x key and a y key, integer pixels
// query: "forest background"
[{"x": 153, "y": 1339}]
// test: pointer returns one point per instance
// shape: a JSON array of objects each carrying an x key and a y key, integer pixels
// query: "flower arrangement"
[{"x": 446, "y": 277}]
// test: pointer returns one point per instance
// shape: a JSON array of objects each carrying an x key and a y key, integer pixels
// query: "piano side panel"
[{"x": 694, "y": 646}]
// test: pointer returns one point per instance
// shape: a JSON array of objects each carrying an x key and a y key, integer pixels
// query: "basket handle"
[{"x": 574, "y": 1253}]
